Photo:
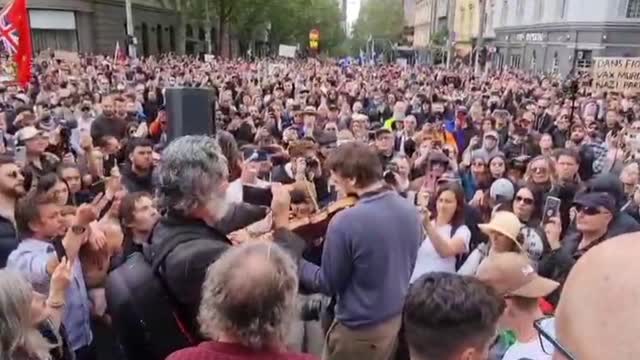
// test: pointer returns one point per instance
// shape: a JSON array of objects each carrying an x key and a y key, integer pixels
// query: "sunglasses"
[
  {"x": 548, "y": 341},
  {"x": 541, "y": 170},
  {"x": 526, "y": 201},
  {"x": 478, "y": 164},
  {"x": 588, "y": 210}
]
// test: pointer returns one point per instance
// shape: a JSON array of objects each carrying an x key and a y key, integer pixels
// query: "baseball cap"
[
  {"x": 512, "y": 274},
  {"x": 596, "y": 200},
  {"x": 28, "y": 133},
  {"x": 502, "y": 188},
  {"x": 492, "y": 133}
]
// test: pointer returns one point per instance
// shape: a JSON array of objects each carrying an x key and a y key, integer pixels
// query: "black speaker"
[{"x": 190, "y": 111}]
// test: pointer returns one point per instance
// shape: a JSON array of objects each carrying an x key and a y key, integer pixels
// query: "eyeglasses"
[
  {"x": 548, "y": 341},
  {"x": 588, "y": 210},
  {"x": 541, "y": 170},
  {"x": 526, "y": 201}
]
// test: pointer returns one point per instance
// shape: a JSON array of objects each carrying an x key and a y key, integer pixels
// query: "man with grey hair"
[
  {"x": 192, "y": 183},
  {"x": 248, "y": 303}
]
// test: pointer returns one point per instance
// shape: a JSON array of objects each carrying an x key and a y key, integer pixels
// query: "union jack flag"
[{"x": 9, "y": 35}]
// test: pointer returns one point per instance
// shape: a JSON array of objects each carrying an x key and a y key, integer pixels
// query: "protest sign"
[
  {"x": 66, "y": 56},
  {"x": 287, "y": 51},
  {"x": 616, "y": 74}
]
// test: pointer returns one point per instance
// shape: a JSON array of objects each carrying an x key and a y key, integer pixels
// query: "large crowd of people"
[{"x": 339, "y": 212}]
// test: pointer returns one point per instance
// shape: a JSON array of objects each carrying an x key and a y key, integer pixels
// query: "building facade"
[
  {"x": 466, "y": 26},
  {"x": 422, "y": 24},
  {"x": 95, "y": 26},
  {"x": 557, "y": 36}
]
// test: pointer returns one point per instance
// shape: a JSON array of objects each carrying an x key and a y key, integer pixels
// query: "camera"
[
  {"x": 314, "y": 308},
  {"x": 389, "y": 174},
  {"x": 311, "y": 162}
]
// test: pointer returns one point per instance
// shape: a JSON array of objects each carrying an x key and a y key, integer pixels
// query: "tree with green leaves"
[
  {"x": 382, "y": 20},
  {"x": 285, "y": 21}
]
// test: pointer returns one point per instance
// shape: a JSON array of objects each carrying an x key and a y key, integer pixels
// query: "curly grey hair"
[
  {"x": 17, "y": 335},
  {"x": 190, "y": 172},
  {"x": 250, "y": 294}
]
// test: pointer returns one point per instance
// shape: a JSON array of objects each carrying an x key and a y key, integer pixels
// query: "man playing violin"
[{"x": 369, "y": 253}]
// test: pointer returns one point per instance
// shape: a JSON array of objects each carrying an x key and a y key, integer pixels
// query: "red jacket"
[{"x": 213, "y": 350}]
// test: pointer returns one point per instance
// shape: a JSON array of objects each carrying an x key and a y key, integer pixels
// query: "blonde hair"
[
  {"x": 17, "y": 335},
  {"x": 551, "y": 169}
]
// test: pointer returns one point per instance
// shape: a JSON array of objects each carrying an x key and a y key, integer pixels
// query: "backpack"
[
  {"x": 144, "y": 314},
  {"x": 473, "y": 244}
]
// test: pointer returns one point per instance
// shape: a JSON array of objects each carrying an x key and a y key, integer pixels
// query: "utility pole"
[
  {"x": 480, "y": 42},
  {"x": 433, "y": 28},
  {"x": 450, "y": 24},
  {"x": 207, "y": 34},
  {"x": 130, "y": 30}
]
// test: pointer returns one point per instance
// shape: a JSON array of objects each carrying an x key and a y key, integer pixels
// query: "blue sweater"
[{"x": 369, "y": 253}]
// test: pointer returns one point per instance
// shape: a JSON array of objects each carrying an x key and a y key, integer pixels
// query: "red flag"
[{"x": 15, "y": 34}]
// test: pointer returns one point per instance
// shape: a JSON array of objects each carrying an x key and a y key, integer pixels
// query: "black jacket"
[
  {"x": 544, "y": 123},
  {"x": 184, "y": 269},
  {"x": 107, "y": 126},
  {"x": 134, "y": 182},
  {"x": 8, "y": 240}
]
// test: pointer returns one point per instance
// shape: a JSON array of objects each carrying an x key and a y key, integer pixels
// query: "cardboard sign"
[
  {"x": 66, "y": 56},
  {"x": 287, "y": 51},
  {"x": 616, "y": 74}
]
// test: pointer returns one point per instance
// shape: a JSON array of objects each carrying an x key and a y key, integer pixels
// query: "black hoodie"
[{"x": 134, "y": 182}]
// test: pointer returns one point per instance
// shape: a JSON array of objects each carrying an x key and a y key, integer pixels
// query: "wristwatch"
[{"x": 78, "y": 229}]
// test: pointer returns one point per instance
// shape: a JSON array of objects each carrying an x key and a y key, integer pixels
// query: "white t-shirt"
[
  {"x": 533, "y": 349},
  {"x": 428, "y": 259}
]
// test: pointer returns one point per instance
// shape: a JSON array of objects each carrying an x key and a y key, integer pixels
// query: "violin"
[
  {"x": 315, "y": 225},
  {"x": 309, "y": 227}
]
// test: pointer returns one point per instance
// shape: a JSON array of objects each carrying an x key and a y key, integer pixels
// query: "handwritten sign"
[
  {"x": 66, "y": 56},
  {"x": 616, "y": 74}
]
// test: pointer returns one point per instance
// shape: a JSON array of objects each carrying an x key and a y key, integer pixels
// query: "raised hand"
[{"x": 61, "y": 278}]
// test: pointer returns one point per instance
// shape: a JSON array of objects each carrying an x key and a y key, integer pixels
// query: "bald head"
[
  {"x": 598, "y": 316},
  {"x": 249, "y": 295}
]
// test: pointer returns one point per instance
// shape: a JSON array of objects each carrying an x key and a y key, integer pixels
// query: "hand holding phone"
[
  {"x": 21, "y": 156},
  {"x": 551, "y": 209}
]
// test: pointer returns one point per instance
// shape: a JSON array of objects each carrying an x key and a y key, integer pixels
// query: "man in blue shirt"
[
  {"x": 369, "y": 254},
  {"x": 40, "y": 223}
]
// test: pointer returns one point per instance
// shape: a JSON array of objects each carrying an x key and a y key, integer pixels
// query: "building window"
[
  {"x": 514, "y": 61},
  {"x": 584, "y": 60},
  {"x": 499, "y": 60},
  {"x": 172, "y": 38},
  {"x": 633, "y": 9},
  {"x": 52, "y": 29},
  {"x": 145, "y": 39},
  {"x": 159, "y": 35},
  {"x": 505, "y": 12},
  {"x": 533, "y": 61}
]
